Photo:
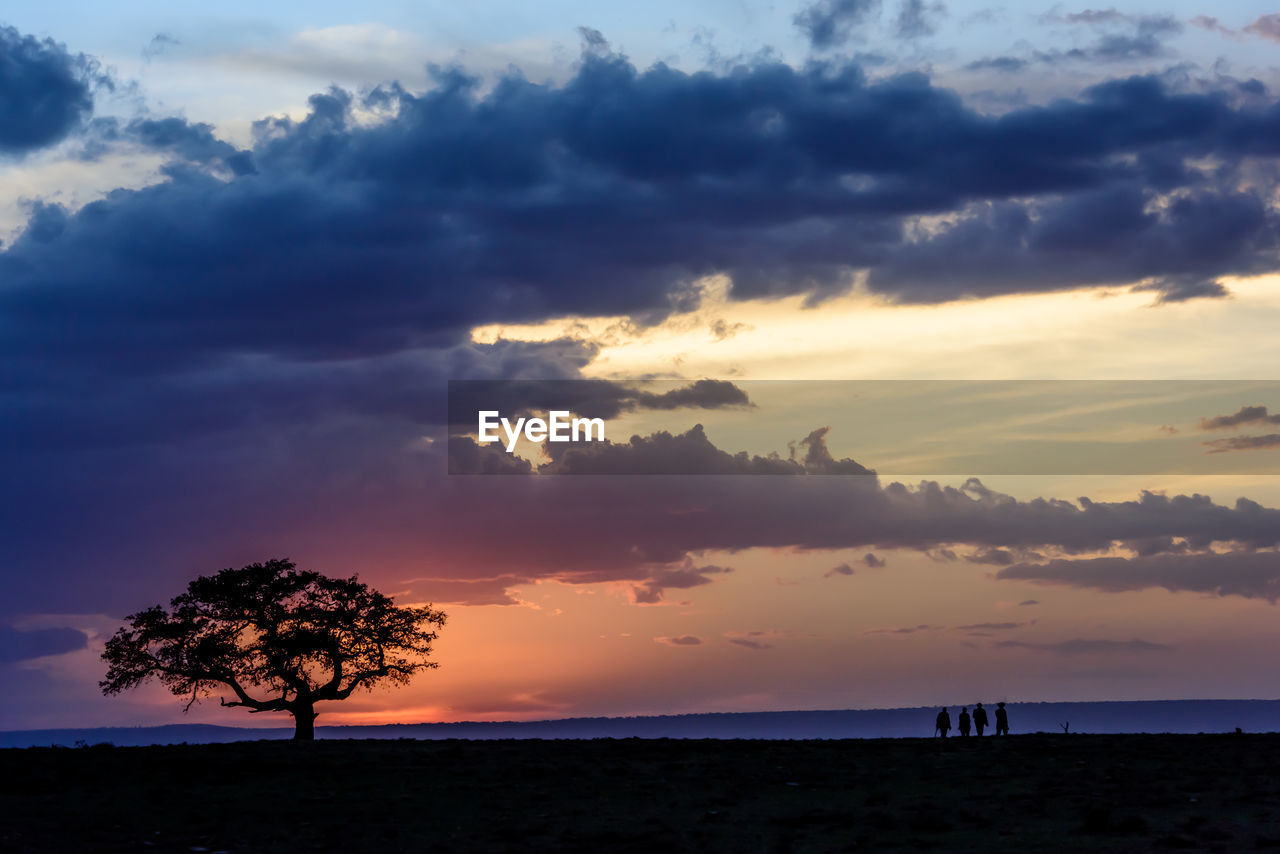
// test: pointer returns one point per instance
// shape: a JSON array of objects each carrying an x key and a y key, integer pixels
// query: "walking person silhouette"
[
  {"x": 942, "y": 723},
  {"x": 979, "y": 719},
  {"x": 1002, "y": 720},
  {"x": 964, "y": 721}
]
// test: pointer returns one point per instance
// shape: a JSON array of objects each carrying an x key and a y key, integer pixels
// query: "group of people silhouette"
[{"x": 978, "y": 721}]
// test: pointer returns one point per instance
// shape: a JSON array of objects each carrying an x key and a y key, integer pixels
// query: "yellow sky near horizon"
[{"x": 1105, "y": 333}]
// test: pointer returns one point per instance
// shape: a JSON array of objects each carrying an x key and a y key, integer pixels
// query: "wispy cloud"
[
  {"x": 1247, "y": 574},
  {"x": 1086, "y": 646},
  {"x": 681, "y": 640}
]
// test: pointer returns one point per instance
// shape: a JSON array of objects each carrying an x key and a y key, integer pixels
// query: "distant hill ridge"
[{"x": 1172, "y": 716}]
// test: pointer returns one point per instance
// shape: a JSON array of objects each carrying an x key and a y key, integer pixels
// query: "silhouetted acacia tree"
[{"x": 278, "y": 639}]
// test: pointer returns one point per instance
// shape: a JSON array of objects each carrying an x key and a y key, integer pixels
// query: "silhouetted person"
[
  {"x": 1002, "y": 720},
  {"x": 943, "y": 723},
  {"x": 979, "y": 718},
  {"x": 964, "y": 721}
]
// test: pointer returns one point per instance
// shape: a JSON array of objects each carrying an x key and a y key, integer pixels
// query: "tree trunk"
[{"x": 304, "y": 722}]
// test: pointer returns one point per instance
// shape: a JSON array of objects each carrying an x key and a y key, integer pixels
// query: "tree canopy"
[{"x": 274, "y": 638}]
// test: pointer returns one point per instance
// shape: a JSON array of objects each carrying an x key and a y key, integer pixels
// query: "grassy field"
[{"x": 1023, "y": 793}]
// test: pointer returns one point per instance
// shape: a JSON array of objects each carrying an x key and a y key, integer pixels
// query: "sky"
[{"x": 245, "y": 250}]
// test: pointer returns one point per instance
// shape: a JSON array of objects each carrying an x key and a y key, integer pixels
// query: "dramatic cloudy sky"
[{"x": 245, "y": 249}]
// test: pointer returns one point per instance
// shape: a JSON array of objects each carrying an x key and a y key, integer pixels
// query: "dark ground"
[{"x": 1022, "y": 793}]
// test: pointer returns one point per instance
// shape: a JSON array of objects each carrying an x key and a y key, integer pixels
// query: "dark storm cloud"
[
  {"x": 870, "y": 560},
  {"x": 195, "y": 372},
  {"x": 1248, "y": 574},
  {"x": 831, "y": 23},
  {"x": 1080, "y": 526},
  {"x": 193, "y": 142},
  {"x": 469, "y": 457},
  {"x": 334, "y": 239},
  {"x": 336, "y": 267},
  {"x": 624, "y": 528},
  {"x": 693, "y": 453},
  {"x": 19, "y": 645},
  {"x": 1244, "y": 415},
  {"x": 45, "y": 92},
  {"x": 1106, "y": 236},
  {"x": 361, "y": 495},
  {"x": 144, "y": 403},
  {"x": 842, "y": 569},
  {"x": 1087, "y": 646}
]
